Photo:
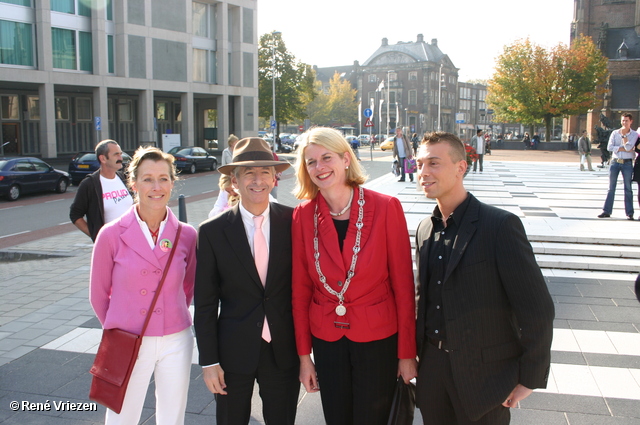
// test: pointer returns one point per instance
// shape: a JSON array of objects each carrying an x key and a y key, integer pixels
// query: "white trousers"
[{"x": 168, "y": 358}]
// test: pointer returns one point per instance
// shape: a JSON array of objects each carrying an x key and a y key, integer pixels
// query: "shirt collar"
[
  {"x": 247, "y": 217},
  {"x": 456, "y": 215}
]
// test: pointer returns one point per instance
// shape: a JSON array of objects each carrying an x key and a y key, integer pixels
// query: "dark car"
[
  {"x": 28, "y": 175},
  {"x": 85, "y": 163},
  {"x": 192, "y": 158}
]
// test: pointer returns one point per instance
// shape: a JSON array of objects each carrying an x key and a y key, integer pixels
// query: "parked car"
[
  {"x": 387, "y": 144},
  {"x": 364, "y": 139},
  {"x": 27, "y": 175},
  {"x": 193, "y": 158},
  {"x": 85, "y": 163}
]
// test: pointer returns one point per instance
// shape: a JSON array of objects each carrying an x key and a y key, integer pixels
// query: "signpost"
[{"x": 368, "y": 113}]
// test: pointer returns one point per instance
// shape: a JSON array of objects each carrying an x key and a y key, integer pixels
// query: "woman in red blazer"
[{"x": 353, "y": 290}]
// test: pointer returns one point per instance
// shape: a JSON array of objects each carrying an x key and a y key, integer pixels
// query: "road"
[{"x": 47, "y": 214}]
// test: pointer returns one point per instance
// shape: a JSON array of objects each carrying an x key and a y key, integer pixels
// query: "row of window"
[
  {"x": 10, "y": 109},
  {"x": 73, "y": 7},
  {"x": 413, "y": 76}
]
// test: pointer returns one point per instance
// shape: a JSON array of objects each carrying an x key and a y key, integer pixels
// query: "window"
[
  {"x": 66, "y": 52},
  {"x": 16, "y": 43},
  {"x": 83, "y": 109},
  {"x": 204, "y": 19},
  {"x": 247, "y": 25},
  {"x": 373, "y": 78},
  {"x": 393, "y": 76},
  {"x": 62, "y": 108},
  {"x": 161, "y": 111},
  {"x": 110, "y": 56},
  {"x": 109, "y": 8},
  {"x": 10, "y": 107},
  {"x": 204, "y": 66},
  {"x": 64, "y": 48},
  {"x": 33, "y": 106},
  {"x": 392, "y": 97},
  {"x": 18, "y": 2},
  {"x": 413, "y": 76},
  {"x": 413, "y": 97},
  {"x": 125, "y": 112},
  {"x": 110, "y": 110}
]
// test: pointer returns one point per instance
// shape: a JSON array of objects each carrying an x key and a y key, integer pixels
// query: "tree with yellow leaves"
[
  {"x": 337, "y": 107},
  {"x": 533, "y": 84}
]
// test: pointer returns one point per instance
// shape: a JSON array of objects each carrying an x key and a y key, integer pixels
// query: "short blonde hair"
[
  {"x": 223, "y": 184},
  {"x": 154, "y": 154},
  {"x": 333, "y": 140}
]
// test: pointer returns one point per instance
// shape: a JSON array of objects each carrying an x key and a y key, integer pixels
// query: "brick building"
[{"x": 614, "y": 25}]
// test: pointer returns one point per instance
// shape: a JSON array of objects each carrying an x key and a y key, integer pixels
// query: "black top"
[
  {"x": 440, "y": 244},
  {"x": 341, "y": 228}
]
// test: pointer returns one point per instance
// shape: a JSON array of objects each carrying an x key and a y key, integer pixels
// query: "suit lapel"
[
  {"x": 278, "y": 227},
  {"x": 237, "y": 237},
  {"x": 133, "y": 237},
  {"x": 465, "y": 233}
]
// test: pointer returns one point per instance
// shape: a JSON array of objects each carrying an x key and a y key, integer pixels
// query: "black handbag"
[{"x": 404, "y": 404}]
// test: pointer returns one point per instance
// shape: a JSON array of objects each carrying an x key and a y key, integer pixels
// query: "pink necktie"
[{"x": 261, "y": 257}]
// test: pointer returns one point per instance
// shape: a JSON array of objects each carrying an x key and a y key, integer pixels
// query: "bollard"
[{"x": 182, "y": 209}]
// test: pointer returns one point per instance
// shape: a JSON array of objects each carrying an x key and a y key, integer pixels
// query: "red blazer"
[{"x": 380, "y": 300}]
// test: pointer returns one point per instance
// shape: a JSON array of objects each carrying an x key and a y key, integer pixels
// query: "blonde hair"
[
  {"x": 333, "y": 140},
  {"x": 224, "y": 183}
]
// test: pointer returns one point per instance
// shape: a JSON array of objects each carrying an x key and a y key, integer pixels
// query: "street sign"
[
  {"x": 98, "y": 121},
  {"x": 368, "y": 123},
  {"x": 367, "y": 112},
  {"x": 273, "y": 124},
  {"x": 460, "y": 118}
]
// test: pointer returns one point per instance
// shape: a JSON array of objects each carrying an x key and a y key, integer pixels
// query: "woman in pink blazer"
[
  {"x": 128, "y": 260},
  {"x": 353, "y": 287}
]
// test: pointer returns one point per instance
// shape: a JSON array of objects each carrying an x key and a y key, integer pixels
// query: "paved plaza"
[{"x": 49, "y": 334}]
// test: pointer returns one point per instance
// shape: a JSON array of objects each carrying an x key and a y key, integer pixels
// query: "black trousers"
[
  {"x": 279, "y": 391},
  {"x": 437, "y": 397},
  {"x": 356, "y": 379}
]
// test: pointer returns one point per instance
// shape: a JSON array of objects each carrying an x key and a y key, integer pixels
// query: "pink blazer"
[
  {"x": 380, "y": 300},
  {"x": 125, "y": 272}
]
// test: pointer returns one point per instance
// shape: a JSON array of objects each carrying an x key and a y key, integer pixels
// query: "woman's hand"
[
  {"x": 408, "y": 369},
  {"x": 308, "y": 375}
]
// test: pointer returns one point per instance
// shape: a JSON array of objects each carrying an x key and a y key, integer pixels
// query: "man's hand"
[
  {"x": 520, "y": 392},
  {"x": 408, "y": 369},
  {"x": 308, "y": 375},
  {"x": 214, "y": 378}
]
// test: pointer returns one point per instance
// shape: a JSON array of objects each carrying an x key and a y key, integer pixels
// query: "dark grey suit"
[
  {"x": 226, "y": 276},
  {"x": 497, "y": 309}
]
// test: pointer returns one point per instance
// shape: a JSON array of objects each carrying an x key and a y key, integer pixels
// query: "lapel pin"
[{"x": 165, "y": 245}]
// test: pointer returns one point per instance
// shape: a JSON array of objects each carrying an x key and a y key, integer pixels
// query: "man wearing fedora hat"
[{"x": 243, "y": 320}]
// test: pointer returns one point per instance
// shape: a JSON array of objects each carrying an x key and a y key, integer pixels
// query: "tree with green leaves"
[
  {"x": 337, "y": 107},
  {"x": 294, "y": 81},
  {"x": 532, "y": 84}
]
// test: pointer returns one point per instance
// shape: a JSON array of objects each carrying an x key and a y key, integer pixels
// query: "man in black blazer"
[
  {"x": 243, "y": 320},
  {"x": 485, "y": 316}
]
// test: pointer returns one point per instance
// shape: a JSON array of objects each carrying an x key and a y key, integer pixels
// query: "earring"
[{"x": 346, "y": 168}]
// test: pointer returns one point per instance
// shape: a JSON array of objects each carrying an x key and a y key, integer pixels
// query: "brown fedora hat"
[{"x": 253, "y": 152}]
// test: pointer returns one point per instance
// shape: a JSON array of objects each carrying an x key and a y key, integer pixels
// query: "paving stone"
[
  {"x": 574, "y": 312},
  {"x": 537, "y": 417},
  {"x": 603, "y": 326},
  {"x": 613, "y": 360},
  {"x": 617, "y": 314},
  {"x": 584, "y": 419},
  {"x": 568, "y": 357},
  {"x": 624, "y": 408}
]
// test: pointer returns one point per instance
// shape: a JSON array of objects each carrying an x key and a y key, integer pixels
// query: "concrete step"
[{"x": 586, "y": 250}]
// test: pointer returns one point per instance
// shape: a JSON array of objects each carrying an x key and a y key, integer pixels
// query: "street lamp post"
[
  {"x": 388, "y": 96},
  {"x": 273, "y": 83}
]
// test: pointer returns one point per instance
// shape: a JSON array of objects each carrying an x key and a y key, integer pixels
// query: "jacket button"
[
  {"x": 158, "y": 311},
  {"x": 259, "y": 324},
  {"x": 157, "y": 271},
  {"x": 144, "y": 272},
  {"x": 143, "y": 292},
  {"x": 143, "y": 311}
]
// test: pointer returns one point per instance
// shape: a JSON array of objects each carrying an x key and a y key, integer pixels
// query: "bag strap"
[{"x": 164, "y": 275}]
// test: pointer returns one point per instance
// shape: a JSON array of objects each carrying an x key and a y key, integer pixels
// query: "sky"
[{"x": 473, "y": 33}]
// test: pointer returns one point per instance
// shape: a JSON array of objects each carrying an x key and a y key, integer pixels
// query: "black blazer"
[
  {"x": 226, "y": 276},
  {"x": 497, "y": 308}
]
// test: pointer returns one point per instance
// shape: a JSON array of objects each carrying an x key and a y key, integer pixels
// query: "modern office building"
[{"x": 129, "y": 70}]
